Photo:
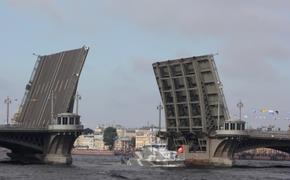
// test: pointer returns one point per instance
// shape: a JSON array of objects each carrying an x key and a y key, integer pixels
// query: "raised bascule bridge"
[
  {"x": 46, "y": 127},
  {"x": 197, "y": 116}
]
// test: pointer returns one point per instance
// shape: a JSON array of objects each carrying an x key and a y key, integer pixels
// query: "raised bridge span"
[
  {"x": 45, "y": 126},
  {"x": 197, "y": 116}
]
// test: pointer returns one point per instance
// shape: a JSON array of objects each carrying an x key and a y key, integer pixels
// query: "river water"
[{"x": 109, "y": 167}]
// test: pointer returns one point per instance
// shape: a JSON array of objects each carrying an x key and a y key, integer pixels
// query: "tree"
[
  {"x": 110, "y": 135},
  {"x": 133, "y": 142},
  {"x": 88, "y": 131}
]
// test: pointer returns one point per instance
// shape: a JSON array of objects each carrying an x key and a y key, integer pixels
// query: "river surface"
[{"x": 109, "y": 167}]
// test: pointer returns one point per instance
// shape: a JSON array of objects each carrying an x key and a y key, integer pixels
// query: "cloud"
[
  {"x": 141, "y": 65},
  {"x": 252, "y": 40},
  {"x": 250, "y": 32},
  {"x": 48, "y": 8},
  {"x": 251, "y": 37}
]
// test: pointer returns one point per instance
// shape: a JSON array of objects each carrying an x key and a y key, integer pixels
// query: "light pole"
[
  {"x": 240, "y": 105},
  {"x": 7, "y": 101},
  {"x": 159, "y": 107},
  {"x": 52, "y": 105},
  {"x": 78, "y": 97},
  {"x": 220, "y": 86}
]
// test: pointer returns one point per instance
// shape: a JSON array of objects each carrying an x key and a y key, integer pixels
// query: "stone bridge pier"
[
  {"x": 50, "y": 145},
  {"x": 58, "y": 148},
  {"x": 222, "y": 147},
  {"x": 219, "y": 152}
]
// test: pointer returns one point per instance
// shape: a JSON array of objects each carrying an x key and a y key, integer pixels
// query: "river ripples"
[{"x": 109, "y": 167}]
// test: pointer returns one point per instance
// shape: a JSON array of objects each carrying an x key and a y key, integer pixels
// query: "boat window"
[{"x": 155, "y": 146}]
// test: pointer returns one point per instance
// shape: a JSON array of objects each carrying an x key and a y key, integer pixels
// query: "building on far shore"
[
  {"x": 141, "y": 136},
  {"x": 123, "y": 144},
  {"x": 145, "y": 136},
  {"x": 90, "y": 141}
]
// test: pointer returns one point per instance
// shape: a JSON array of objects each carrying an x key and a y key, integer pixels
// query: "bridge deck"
[
  {"x": 20, "y": 129},
  {"x": 256, "y": 134},
  {"x": 52, "y": 87},
  {"x": 269, "y": 134},
  {"x": 190, "y": 91}
]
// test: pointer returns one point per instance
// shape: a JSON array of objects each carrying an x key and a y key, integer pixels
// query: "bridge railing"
[
  {"x": 268, "y": 134},
  {"x": 19, "y": 127},
  {"x": 254, "y": 133}
]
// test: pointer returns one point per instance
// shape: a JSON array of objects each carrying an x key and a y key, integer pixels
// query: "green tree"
[
  {"x": 110, "y": 135},
  {"x": 88, "y": 131},
  {"x": 133, "y": 142}
]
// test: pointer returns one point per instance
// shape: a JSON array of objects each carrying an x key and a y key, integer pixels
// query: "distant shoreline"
[{"x": 92, "y": 152}]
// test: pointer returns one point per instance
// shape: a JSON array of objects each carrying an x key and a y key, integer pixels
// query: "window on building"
[
  {"x": 232, "y": 126},
  {"x": 71, "y": 120},
  {"x": 64, "y": 120},
  {"x": 238, "y": 126},
  {"x": 243, "y": 126},
  {"x": 226, "y": 126},
  {"x": 59, "y": 120},
  {"x": 77, "y": 120}
]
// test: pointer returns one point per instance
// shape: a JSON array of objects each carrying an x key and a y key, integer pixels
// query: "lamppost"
[
  {"x": 220, "y": 86},
  {"x": 159, "y": 107},
  {"x": 78, "y": 97},
  {"x": 240, "y": 105},
  {"x": 52, "y": 106},
  {"x": 7, "y": 101}
]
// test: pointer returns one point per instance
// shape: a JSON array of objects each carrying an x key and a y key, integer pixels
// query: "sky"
[{"x": 125, "y": 37}]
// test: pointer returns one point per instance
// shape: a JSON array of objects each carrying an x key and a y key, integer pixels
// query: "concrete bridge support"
[
  {"x": 210, "y": 157},
  {"x": 58, "y": 148},
  {"x": 52, "y": 145}
]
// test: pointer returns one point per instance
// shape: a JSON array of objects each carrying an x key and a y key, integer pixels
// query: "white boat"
[{"x": 156, "y": 155}]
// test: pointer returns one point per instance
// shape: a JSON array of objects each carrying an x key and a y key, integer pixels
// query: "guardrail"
[
  {"x": 15, "y": 127},
  {"x": 254, "y": 134},
  {"x": 268, "y": 134}
]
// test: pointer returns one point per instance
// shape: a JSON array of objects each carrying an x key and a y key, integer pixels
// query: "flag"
[
  {"x": 263, "y": 110},
  {"x": 272, "y": 112},
  {"x": 254, "y": 110}
]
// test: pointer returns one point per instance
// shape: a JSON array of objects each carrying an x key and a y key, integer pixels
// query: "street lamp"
[
  {"x": 78, "y": 97},
  {"x": 220, "y": 86},
  {"x": 240, "y": 105},
  {"x": 37, "y": 55},
  {"x": 51, "y": 96},
  {"x": 7, "y": 101},
  {"x": 159, "y": 107}
]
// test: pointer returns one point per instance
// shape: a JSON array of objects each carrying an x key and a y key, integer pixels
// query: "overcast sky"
[{"x": 125, "y": 37}]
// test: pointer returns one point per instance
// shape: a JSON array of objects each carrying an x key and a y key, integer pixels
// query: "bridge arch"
[
  {"x": 22, "y": 143},
  {"x": 228, "y": 147}
]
